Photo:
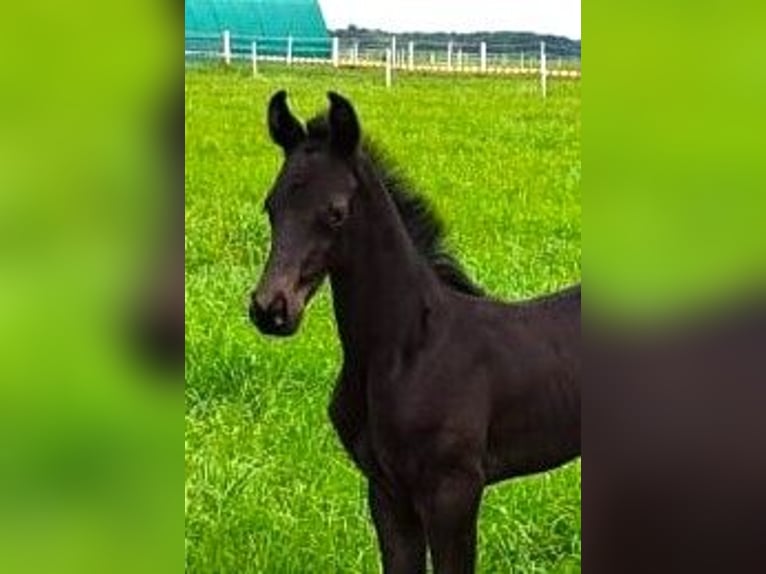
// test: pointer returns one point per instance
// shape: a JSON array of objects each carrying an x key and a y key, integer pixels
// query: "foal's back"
[{"x": 528, "y": 357}]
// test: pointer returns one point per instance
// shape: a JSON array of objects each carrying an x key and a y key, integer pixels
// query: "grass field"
[{"x": 268, "y": 488}]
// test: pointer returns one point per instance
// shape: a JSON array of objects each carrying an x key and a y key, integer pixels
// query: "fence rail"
[{"x": 392, "y": 56}]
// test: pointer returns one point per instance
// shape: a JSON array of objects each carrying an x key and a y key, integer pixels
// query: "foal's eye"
[{"x": 334, "y": 216}]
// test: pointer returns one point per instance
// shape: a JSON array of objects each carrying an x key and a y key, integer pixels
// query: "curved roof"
[{"x": 262, "y": 18}]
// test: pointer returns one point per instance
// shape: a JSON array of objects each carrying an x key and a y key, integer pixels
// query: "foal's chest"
[{"x": 362, "y": 428}]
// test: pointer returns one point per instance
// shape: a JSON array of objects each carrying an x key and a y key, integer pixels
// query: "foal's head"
[{"x": 307, "y": 207}]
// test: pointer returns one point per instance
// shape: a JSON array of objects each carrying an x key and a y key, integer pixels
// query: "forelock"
[{"x": 318, "y": 129}]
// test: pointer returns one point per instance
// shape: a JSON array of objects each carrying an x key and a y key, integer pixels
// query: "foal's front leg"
[
  {"x": 400, "y": 533},
  {"x": 449, "y": 505}
]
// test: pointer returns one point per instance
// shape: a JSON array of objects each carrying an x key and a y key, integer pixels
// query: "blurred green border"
[{"x": 673, "y": 177}]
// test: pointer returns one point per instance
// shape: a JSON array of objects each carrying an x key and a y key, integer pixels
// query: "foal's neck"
[{"x": 383, "y": 289}]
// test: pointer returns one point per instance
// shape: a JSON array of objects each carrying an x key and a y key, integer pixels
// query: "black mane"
[{"x": 423, "y": 226}]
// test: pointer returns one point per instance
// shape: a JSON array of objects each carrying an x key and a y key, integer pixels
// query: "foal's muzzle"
[{"x": 273, "y": 317}]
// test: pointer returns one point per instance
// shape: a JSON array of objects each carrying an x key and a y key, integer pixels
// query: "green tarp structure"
[{"x": 269, "y": 22}]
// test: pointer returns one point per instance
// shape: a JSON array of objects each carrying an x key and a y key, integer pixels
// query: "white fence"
[{"x": 391, "y": 57}]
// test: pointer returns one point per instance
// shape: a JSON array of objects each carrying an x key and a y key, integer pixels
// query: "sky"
[{"x": 558, "y": 17}]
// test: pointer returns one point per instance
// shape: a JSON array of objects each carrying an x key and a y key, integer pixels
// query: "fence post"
[
  {"x": 393, "y": 51},
  {"x": 388, "y": 67},
  {"x": 449, "y": 55},
  {"x": 483, "y": 57},
  {"x": 522, "y": 60},
  {"x": 227, "y": 47},
  {"x": 289, "y": 55},
  {"x": 543, "y": 70},
  {"x": 411, "y": 55},
  {"x": 335, "y": 51},
  {"x": 356, "y": 52},
  {"x": 460, "y": 59},
  {"x": 255, "y": 59}
]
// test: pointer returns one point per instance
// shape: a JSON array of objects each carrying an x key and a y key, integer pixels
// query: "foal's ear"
[
  {"x": 344, "y": 125},
  {"x": 286, "y": 131}
]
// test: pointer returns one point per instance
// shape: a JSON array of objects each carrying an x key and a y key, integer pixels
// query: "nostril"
[
  {"x": 261, "y": 305},
  {"x": 257, "y": 310}
]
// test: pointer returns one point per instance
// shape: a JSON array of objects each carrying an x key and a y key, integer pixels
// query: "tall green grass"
[{"x": 268, "y": 487}]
